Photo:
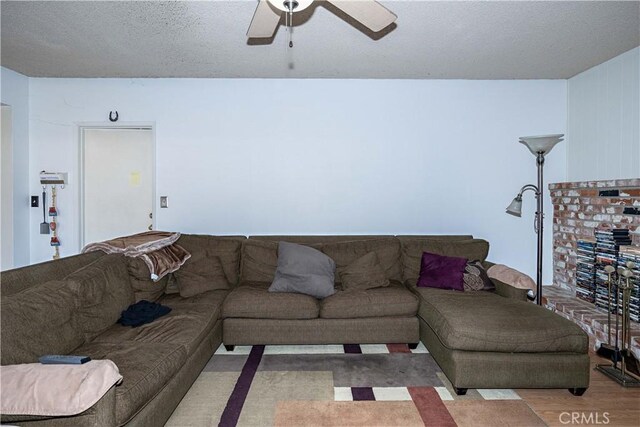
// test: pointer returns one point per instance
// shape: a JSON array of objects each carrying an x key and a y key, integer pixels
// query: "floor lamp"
[{"x": 539, "y": 146}]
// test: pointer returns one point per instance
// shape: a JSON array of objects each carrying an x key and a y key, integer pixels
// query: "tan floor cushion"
[
  {"x": 484, "y": 321},
  {"x": 393, "y": 300},
  {"x": 253, "y": 300},
  {"x": 145, "y": 368}
]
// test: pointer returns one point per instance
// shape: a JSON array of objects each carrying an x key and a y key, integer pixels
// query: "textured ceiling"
[{"x": 431, "y": 39}]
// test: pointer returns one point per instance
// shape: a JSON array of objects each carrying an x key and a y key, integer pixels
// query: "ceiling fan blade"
[
  {"x": 369, "y": 13},
  {"x": 264, "y": 22}
]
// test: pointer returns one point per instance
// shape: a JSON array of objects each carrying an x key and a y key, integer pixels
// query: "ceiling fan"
[{"x": 267, "y": 16}]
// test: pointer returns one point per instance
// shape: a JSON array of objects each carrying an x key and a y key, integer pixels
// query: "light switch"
[{"x": 164, "y": 201}]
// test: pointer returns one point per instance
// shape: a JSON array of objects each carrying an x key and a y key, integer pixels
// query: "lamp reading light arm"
[
  {"x": 537, "y": 218},
  {"x": 529, "y": 187},
  {"x": 516, "y": 205}
]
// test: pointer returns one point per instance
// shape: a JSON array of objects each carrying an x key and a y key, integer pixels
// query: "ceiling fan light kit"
[
  {"x": 267, "y": 16},
  {"x": 291, "y": 5}
]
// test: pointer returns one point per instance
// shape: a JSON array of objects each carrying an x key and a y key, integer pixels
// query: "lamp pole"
[
  {"x": 539, "y": 146},
  {"x": 539, "y": 227}
]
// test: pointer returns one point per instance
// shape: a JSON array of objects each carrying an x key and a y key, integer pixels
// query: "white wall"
[
  {"x": 318, "y": 156},
  {"x": 15, "y": 93},
  {"x": 603, "y": 135}
]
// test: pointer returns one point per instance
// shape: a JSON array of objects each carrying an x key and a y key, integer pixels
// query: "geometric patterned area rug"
[{"x": 339, "y": 385}]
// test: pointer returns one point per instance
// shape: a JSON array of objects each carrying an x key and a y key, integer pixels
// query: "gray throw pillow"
[{"x": 303, "y": 270}]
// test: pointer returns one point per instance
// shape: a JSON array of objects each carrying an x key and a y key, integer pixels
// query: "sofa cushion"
[
  {"x": 103, "y": 290},
  {"x": 227, "y": 248},
  {"x": 303, "y": 270},
  {"x": 185, "y": 325},
  {"x": 39, "y": 321},
  {"x": 212, "y": 299},
  {"x": 445, "y": 237},
  {"x": 363, "y": 273},
  {"x": 412, "y": 250},
  {"x": 387, "y": 249},
  {"x": 443, "y": 272},
  {"x": 259, "y": 261},
  {"x": 253, "y": 300},
  {"x": 145, "y": 368},
  {"x": 393, "y": 300},
  {"x": 203, "y": 272},
  {"x": 484, "y": 321},
  {"x": 316, "y": 239},
  {"x": 172, "y": 286},
  {"x": 141, "y": 283}
]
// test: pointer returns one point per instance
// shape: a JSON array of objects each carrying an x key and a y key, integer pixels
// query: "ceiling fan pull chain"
[{"x": 290, "y": 27}]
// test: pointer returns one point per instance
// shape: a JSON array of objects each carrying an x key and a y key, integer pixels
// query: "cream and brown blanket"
[
  {"x": 55, "y": 390},
  {"x": 156, "y": 248}
]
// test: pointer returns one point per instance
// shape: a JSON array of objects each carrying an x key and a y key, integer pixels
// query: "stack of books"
[
  {"x": 586, "y": 270},
  {"x": 608, "y": 244},
  {"x": 626, "y": 254}
]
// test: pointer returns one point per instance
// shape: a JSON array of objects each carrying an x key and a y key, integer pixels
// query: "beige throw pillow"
[
  {"x": 511, "y": 277},
  {"x": 363, "y": 273}
]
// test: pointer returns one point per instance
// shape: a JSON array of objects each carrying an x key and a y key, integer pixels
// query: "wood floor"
[{"x": 604, "y": 403}]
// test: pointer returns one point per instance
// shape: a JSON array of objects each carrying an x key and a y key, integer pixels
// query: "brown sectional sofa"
[{"x": 480, "y": 340}]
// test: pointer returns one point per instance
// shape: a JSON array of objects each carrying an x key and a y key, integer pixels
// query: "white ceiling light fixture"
[
  {"x": 295, "y": 5},
  {"x": 267, "y": 16}
]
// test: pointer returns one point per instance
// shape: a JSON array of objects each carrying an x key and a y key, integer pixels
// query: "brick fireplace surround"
[{"x": 578, "y": 209}]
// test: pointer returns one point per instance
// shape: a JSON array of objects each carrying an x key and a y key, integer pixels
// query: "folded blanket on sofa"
[
  {"x": 55, "y": 390},
  {"x": 156, "y": 248}
]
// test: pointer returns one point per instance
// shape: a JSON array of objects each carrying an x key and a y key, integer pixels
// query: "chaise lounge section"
[{"x": 494, "y": 339}]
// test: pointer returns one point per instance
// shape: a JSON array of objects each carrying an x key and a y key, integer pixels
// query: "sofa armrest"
[{"x": 509, "y": 291}]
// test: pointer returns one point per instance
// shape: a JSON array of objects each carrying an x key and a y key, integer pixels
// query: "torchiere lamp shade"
[{"x": 541, "y": 143}]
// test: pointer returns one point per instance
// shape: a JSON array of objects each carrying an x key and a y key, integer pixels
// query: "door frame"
[
  {"x": 151, "y": 126},
  {"x": 9, "y": 221}
]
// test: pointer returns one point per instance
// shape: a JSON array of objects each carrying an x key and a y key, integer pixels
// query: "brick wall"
[{"x": 579, "y": 208}]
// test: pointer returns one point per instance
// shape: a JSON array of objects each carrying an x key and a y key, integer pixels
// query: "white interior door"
[
  {"x": 6, "y": 190},
  {"x": 117, "y": 192}
]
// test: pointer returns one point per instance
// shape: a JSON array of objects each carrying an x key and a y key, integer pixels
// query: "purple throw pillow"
[{"x": 443, "y": 272}]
